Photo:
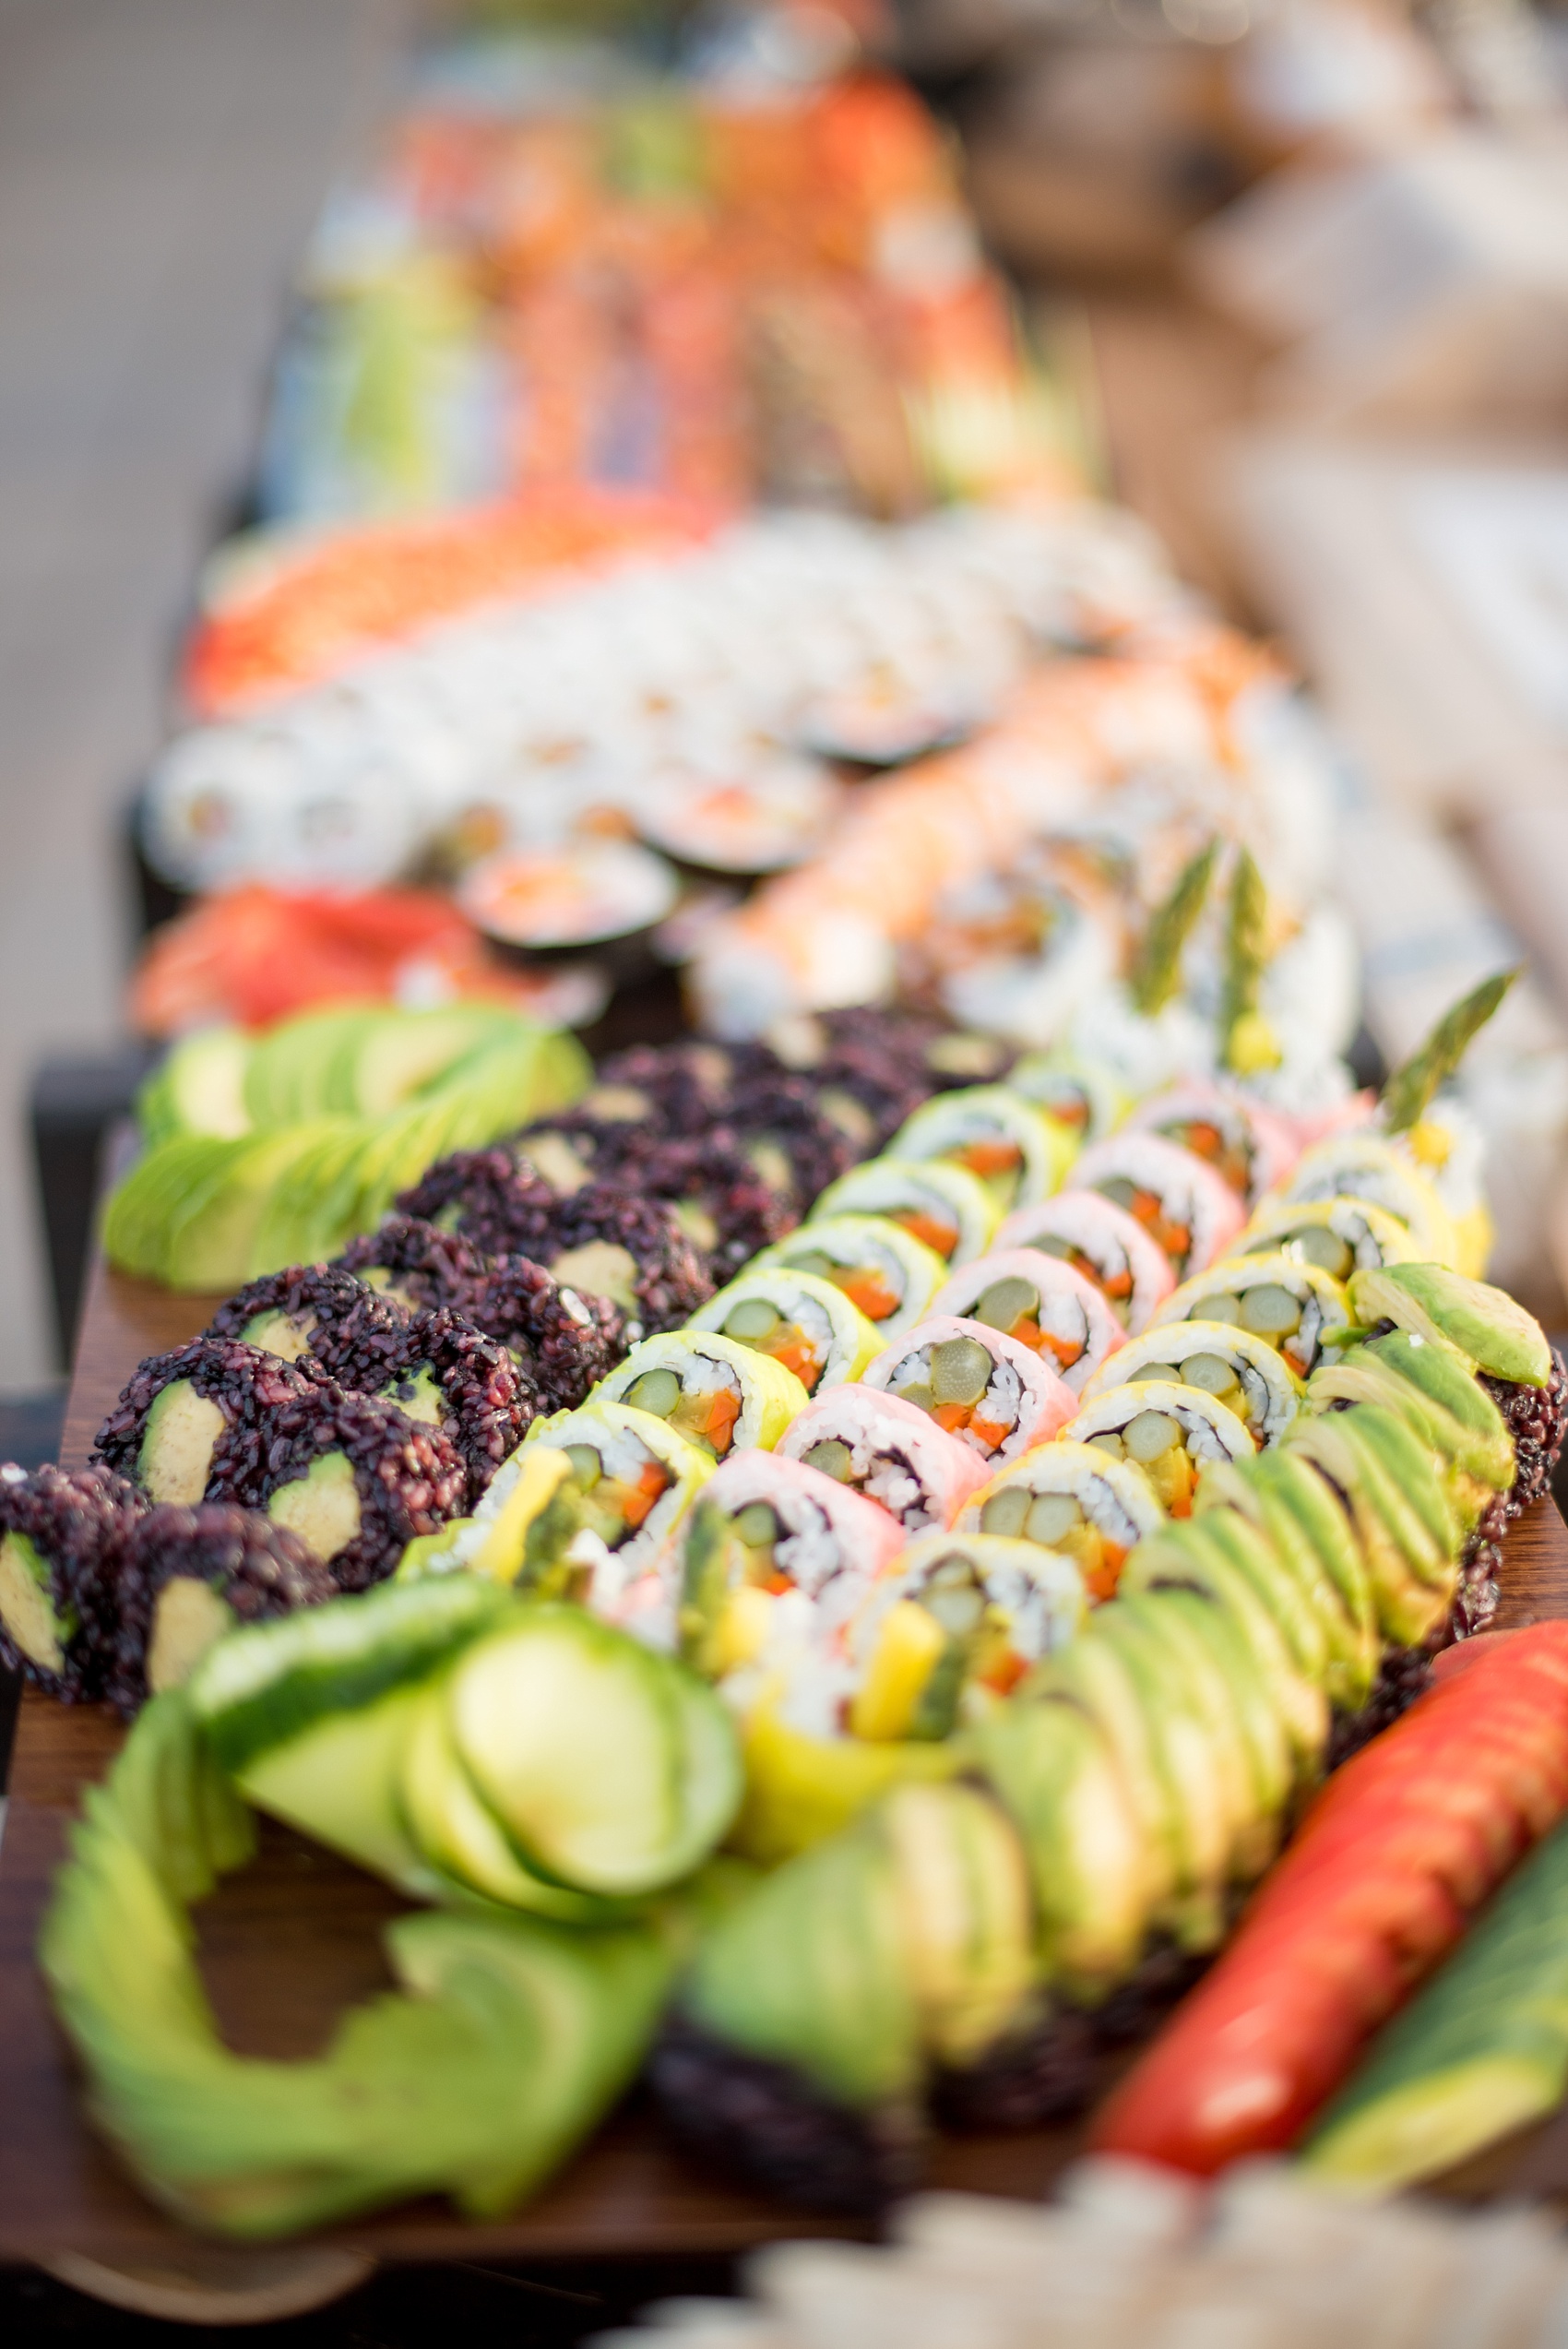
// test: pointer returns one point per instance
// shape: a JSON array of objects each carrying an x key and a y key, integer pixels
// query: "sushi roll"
[
  {"x": 730, "y": 1201},
  {"x": 1101, "y": 1241},
  {"x": 1017, "y": 1150},
  {"x": 1042, "y": 1304},
  {"x": 633, "y": 1480},
  {"x": 566, "y": 1339},
  {"x": 418, "y": 1266},
  {"x": 997, "y": 1605},
  {"x": 948, "y": 1210},
  {"x": 1245, "y": 1373},
  {"x": 1070, "y": 1497},
  {"x": 1171, "y": 1431},
  {"x": 1298, "y": 1308},
  {"x": 887, "y": 1275},
  {"x": 807, "y": 1325},
  {"x": 991, "y": 1392},
  {"x": 885, "y": 1062},
  {"x": 601, "y": 1241},
  {"x": 196, "y": 1424},
  {"x": 315, "y": 1309},
  {"x": 355, "y": 1479},
  {"x": 1340, "y": 1236},
  {"x": 1077, "y": 1091},
  {"x": 1505, "y": 1346},
  {"x": 1253, "y": 1147},
  {"x": 770, "y": 1538},
  {"x": 1362, "y": 1165},
  {"x": 889, "y": 1450},
  {"x": 447, "y": 1374},
  {"x": 1387, "y": 1484},
  {"x": 60, "y": 1543},
  {"x": 185, "y": 1577},
  {"x": 718, "y": 1392},
  {"x": 1188, "y": 1212}
]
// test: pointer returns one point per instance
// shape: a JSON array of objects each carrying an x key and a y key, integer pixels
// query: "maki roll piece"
[
  {"x": 807, "y": 1325},
  {"x": 320, "y": 1310},
  {"x": 196, "y": 1424},
  {"x": 993, "y": 1394},
  {"x": 1505, "y": 1346},
  {"x": 1297, "y": 1308},
  {"x": 1077, "y": 1091},
  {"x": 356, "y": 1480},
  {"x": 887, "y": 1275},
  {"x": 1340, "y": 1236},
  {"x": 718, "y": 1392},
  {"x": 944, "y": 1207},
  {"x": 1016, "y": 1150},
  {"x": 60, "y": 1539},
  {"x": 1251, "y": 1147},
  {"x": 1101, "y": 1241},
  {"x": 1390, "y": 1489},
  {"x": 633, "y": 1478},
  {"x": 889, "y": 1450},
  {"x": 418, "y": 1266},
  {"x": 1362, "y": 1165},
  {"x": 997, "y": 1605},
  {"x": 1042, "y": 1304},
  {"x": 1075, "y": 1498},
  {"x": 185, "y": 1577},
  {"x": 1310, "y": 1545},
  {"x": 1188, "y": 1212},
  {"x": 446, "y": 1374},
  {"x": 772, "y": 1544},
  {"x": 566, "y": 1339},
  {"x": 600, "y": 1240},
  {"x": 1171, "y": 1431},
  {"x": 1241, "y": 1371},
  {"x": 886, "y": 1062},
  {"x": 728, "y": 1202}
]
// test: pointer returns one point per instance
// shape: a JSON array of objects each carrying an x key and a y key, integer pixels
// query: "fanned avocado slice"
[
  {"x": 1409, "y": 1609},
  {"x": 1294, "y": 1513},
  {"x": 1491, "y": 1328}
]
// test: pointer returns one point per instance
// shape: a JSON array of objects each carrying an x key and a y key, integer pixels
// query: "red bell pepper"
[{"x": 1404, "y": 1842}]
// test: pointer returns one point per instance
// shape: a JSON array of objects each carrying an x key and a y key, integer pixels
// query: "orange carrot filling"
[
  {"x": 989, "y": 1157},
  {"x": 866, "y": 1290},
  {"x": 943, "y": 1237},
  {"x": 636, "y": 1501},
  {"x": 795, "y": 1351}
]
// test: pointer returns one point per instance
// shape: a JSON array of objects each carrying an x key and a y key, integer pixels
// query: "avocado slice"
[
  {"x": 1262, "y": 1496},
  {"x": 401, "y": 1053},
  {"x": 1491, "y": 1328},
  {"x": 1361, "y": 1378},
  {"x": 181, "y": 1435},
  {"x": 36, "y": 1620},
  {"x": 189, "y": 1617},
  {"x": 199, "y": 1089},
  {"x": 1159, "y": 1618},
  {"x": 963, "y": 1886},
  {"x": 1200, "y": 1798},
  {"x": 1478, "y": 1432},
  {"x": 1203, "y": 1622},
  {"x": 322, "y": 1507},
  {"x": 1093, "y": 1675},
  {"x": 1409, "y": 1479},
  {"x": 1408, "y": 1609}
]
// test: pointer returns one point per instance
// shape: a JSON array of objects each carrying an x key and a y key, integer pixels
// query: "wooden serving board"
[{"x": 293, "y": 1939}]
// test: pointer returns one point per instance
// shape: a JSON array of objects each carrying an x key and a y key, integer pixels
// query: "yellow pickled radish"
[
  {"x": 743, "y": 1628},
  {"x": 1252, "y": 1045},
  {"x": 906, "y": 1653},
  {"x": 541, "y": 1473}
]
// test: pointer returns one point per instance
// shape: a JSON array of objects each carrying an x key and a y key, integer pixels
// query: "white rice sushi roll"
[
  {"x": 890, "y": 1451},
  {"x": 945, "y": 1207},
  {"x": 1018, "y": 1151},
  {"x": 1101, "y": 1241},
  {"x": 1041, "y": 1302},
  {"x": 884, "y": 1272},
  {"x": 1169, "y": 1430},
  {"x": 991, "y": 1392},
  {"x": 806, "y": 1325},
  {"x": 1249, "y": 1145},
  {"x": 1290, "y": 1304},
  {"x": 1364, "y": 1165},
  {"x": 985, "y": 1610},
  {"x": 1076, "y": 1090},
  {"x": 715, "y": 1391},
  {"x": 1188, "y": 1212},
  {"x": 1074, "y": 1498},
  {"x": 1342, "y": 1235},
  {"x": 1243, "y": 1372}
]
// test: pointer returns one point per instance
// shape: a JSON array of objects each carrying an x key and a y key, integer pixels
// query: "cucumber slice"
[
  {"x": 265, "y": 1685},
  {"x": 453, "y": 1829},
  {"x": 613, "y": 1769}
]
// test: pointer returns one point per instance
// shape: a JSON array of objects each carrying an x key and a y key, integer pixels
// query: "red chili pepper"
[{"x": 1409, "y": 1838}]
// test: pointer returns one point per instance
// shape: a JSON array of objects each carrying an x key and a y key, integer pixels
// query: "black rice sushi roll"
[
  {"x": 195, "y": 1425},
  {"x": 418, "y": 1266},
  {"x": 60, "y": 1537},
  {"x": 447, "y": 1374},
  {"x": 566, "y": 1339},
  {"x": 599, "y": 1239},
  {"x": 356, "y": 1480},
  {"x": 186, "y": 1576},
  {"x": 318, "y": 1310}
]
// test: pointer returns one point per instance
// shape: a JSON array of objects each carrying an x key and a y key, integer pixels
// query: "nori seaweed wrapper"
[
  {"x": 566, "y": 1341},
  {"x": 76, "y": 1522},
  {"x": 247, "y": 1385},
  {"x": 343, "y": 1316},
  {"x": 410, "y": 1478},
  {"x": 1535, "y": 1417},
  {"x": 428, "y": 1268},
  {"x": 257, "y": 1568},
  {"x": 507, "y": 1211},
  {"x": 488, "y": 1400},
  {"x": 745, "y": 2116}
]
